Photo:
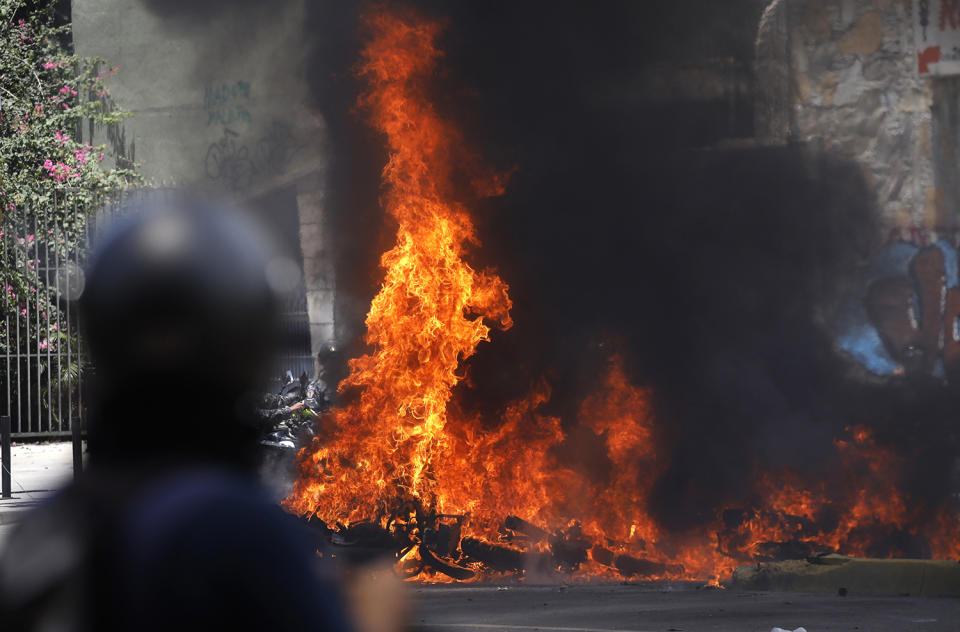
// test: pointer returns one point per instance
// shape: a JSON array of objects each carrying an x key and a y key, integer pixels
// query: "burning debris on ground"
[
  {"x": 288, "y": 416},
  {"x": 578, "y": 491},
  {"x": 432, "y": 545},
  {"x": 651, "y": 293}
]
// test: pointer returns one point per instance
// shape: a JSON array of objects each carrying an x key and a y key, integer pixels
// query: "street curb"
[
  {"x": 854, "y": 576},
  {"x": 11, "y": 516},
  {"x": 12, "y": 510}
]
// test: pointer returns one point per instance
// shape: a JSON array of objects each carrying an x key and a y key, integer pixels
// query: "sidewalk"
[{"x": 37, "y": 471}]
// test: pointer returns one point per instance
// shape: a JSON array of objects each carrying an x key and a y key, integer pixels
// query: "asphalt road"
[{"x": 659, "y": 609}]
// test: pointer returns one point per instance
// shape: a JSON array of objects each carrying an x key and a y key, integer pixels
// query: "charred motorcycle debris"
[{"x": 288, "y": 415}]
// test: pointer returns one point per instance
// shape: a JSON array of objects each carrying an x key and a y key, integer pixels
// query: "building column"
[{"x": 318, "y": 272}]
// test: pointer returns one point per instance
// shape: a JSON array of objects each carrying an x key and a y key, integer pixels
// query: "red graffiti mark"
[
  {"x": 949, "y": 10},
  {"x": 929, "y": 55}
]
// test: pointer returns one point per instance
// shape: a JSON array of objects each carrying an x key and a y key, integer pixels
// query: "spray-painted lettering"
[
  {"x": 231, "y": 160},
  {"x": 949, "y": 14},
  {"x": 227, "y": 103}
]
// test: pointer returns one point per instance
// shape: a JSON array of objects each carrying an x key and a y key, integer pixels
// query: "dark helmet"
[
  {"x": 328, "y": 353},
  {"x": 179, "y": 311}
]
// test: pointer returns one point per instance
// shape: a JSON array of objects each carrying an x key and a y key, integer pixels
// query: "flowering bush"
[
  {"x": 51, "y": 178},
  {"x": 47, "y": 96}
]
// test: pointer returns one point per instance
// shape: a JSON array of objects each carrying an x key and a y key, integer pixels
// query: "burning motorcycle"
[{"x": 289, "y": 415}]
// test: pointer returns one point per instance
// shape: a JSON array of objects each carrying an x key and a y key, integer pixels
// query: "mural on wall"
[{"x": 904, "y": 318}]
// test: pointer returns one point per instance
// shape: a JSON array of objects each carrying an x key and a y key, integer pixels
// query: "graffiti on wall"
[
  {"x": 236, "y": 161},
  {"x": 906, "y": 316},
  {"x": 936, "y": 26},
  {"x": 227, "y": 103}
]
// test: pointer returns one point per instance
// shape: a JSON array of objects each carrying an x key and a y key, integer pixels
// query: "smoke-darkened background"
[
  {"x": 657, "y": 209},
  {"x": 644, "y": 218}
]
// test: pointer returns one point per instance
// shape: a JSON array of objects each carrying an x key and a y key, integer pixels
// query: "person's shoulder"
[
  {"x": 197, "y": 491},
  {"x": 206, "y": 515}
]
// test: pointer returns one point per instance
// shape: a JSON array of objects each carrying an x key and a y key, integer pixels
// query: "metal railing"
[{"x": 42, "y": 357}]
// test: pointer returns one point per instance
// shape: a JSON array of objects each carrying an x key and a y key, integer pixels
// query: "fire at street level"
[{"x": 398, "y": 466}]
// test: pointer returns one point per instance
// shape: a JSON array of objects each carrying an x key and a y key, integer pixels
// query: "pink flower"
[
  {"x": 59, "y": 171},
  {"x": 50, "y": 65},
  {"x": 39, "y": 109},
  {"x": 42, "y": 345},
  {"x": 61, "y": 137},
  {"x": 68, "y": 90},
  {"x": 81, "y": 155},
  {"x": 100, "y": 157},
  {"x": 23, "y": 312}
]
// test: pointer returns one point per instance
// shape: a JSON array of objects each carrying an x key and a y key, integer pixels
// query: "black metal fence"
[
  {"x": 42, "y": 357},
  {"x": 42, "y": 254}
]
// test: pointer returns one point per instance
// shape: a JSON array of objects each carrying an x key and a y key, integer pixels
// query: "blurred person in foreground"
[{"x": 169, "y": 528}]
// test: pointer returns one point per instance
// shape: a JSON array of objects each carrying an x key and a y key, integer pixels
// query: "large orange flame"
[
  {"x": 398, "y": 439},
  {"x": 430, "y": 312}
]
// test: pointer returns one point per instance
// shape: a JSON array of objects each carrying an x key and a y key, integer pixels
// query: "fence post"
[
  {"x": 77, "y": 433},
  {"x": 5, "y": 456}
]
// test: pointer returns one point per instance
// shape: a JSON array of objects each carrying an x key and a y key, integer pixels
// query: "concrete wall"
[
  {"x": 219, "y": 103},
  {"x": 842, "y": 74}
]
